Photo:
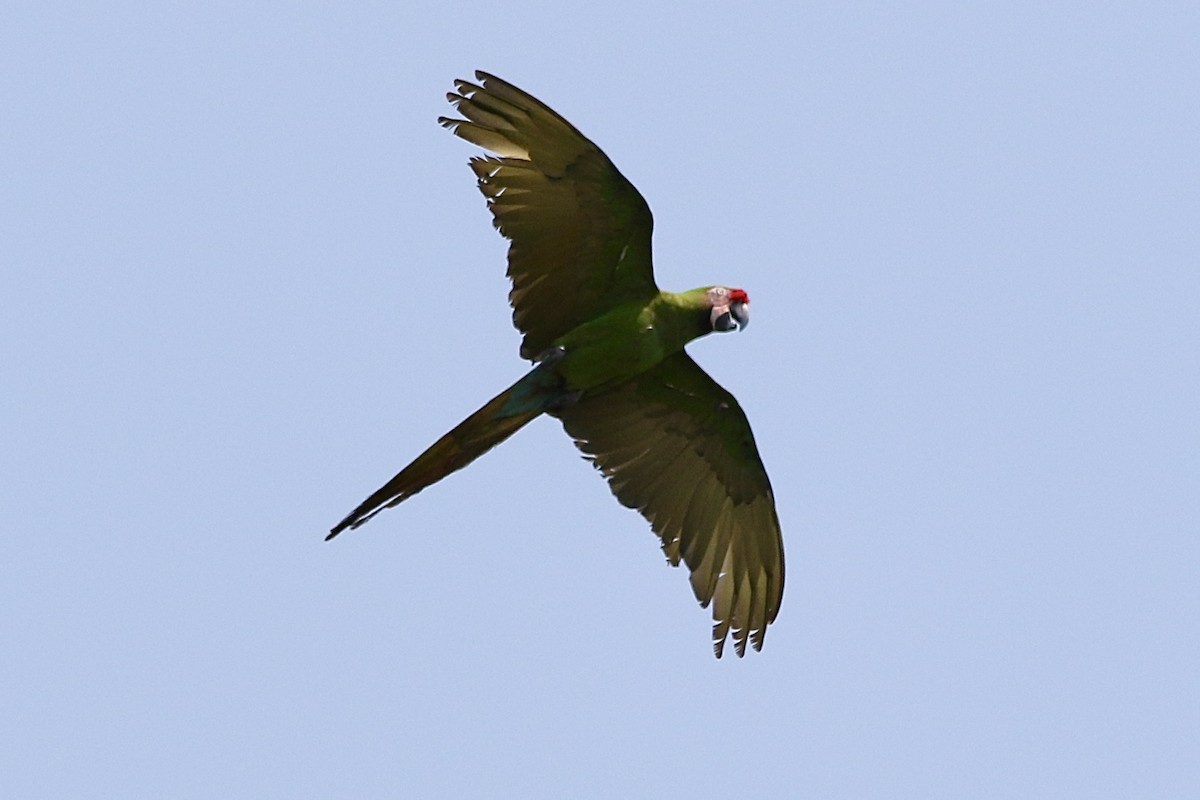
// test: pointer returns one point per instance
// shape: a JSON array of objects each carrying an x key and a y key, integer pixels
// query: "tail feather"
[{"x": 474, "y": 436}]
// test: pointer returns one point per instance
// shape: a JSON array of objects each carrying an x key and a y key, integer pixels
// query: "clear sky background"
[{"x": 246, "y": 278}]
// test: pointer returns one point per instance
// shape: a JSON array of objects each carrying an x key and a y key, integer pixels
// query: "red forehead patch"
[{"x": 738, "y": 296}]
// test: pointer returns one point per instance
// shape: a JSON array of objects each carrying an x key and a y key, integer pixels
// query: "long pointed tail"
[{"x": 499, "y": 419}]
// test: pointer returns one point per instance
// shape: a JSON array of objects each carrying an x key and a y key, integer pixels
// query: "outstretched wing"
[
  {"x": 579, "y": 231},
  {"x": 676, "y": 446}
]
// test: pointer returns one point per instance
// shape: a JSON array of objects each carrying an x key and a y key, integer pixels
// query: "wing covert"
[
  {"x": 677, "y": 447},
  {"x": 579, "y": 231}
]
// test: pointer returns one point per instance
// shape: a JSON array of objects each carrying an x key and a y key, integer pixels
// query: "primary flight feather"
[{"x": 610, "y": 360}]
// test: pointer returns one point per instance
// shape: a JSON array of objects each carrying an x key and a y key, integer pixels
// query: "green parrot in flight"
[{"x": 608, "y": 348}]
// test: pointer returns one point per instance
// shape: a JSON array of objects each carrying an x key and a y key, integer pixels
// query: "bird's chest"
[{"x": 597, "y": 354}]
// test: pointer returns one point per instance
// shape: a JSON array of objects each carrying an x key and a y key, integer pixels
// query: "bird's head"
[{"x": 730, "y": 308}]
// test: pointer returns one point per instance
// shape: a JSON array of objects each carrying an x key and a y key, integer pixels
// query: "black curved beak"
[
  {"x": 734, "y": 316},
  {"x": 741, "y": 314}
]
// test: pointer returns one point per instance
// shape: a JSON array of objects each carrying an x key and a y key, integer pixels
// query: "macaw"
[{"x": 609, "y": 360}]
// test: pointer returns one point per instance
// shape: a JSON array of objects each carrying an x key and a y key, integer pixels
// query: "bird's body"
[
  {"x": 632, "y": 338},
  {"x": 609, "y": 347}
]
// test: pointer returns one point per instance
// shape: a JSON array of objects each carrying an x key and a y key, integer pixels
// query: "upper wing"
[
  {"x": 677, "y": 447},
  {"x": 580, "y": 231}
]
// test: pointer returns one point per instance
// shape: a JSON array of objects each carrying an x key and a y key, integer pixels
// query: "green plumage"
[{"x": 672, "y": 443}]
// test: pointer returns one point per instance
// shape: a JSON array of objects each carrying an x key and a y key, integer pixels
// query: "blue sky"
[{"x": 247, "y": 278}]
